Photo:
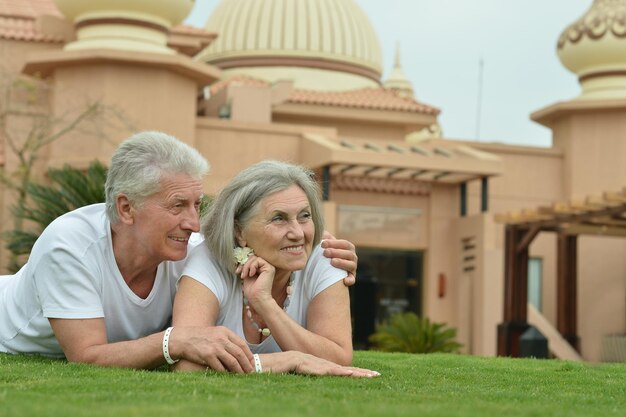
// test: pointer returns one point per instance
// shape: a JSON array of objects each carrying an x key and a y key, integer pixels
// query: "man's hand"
[
  {"x": 217, "y": 348},
  {"x": 342, "y": 254}
]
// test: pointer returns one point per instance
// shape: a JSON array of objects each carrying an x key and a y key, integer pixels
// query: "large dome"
[{"x": 319, "y": 44}]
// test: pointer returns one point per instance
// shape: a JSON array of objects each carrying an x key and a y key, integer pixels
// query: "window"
[{"x": 535, "y": 268}]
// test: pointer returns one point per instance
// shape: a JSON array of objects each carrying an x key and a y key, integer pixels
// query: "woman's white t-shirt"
[{"x": 317, "y": 275}]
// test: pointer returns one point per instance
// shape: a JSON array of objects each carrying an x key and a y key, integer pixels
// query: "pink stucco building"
[{"x": 301, "y": 81}]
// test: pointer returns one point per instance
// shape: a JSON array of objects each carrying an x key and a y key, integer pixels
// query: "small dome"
[
  {"x": 397, "y": 81},
  {"x": 320, "y": 44},
  {"x": 594, "y": 48}
]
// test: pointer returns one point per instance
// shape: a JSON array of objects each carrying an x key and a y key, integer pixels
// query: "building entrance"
[{"x": 388, "y": 282}]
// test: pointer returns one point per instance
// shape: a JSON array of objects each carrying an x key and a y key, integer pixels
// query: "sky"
[{"x": 445, "y": 43}]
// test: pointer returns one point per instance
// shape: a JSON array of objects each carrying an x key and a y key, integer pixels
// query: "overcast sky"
[{"x": 442, "y": 43}]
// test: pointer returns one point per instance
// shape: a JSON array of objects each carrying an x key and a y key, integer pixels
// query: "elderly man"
[{"x": 100, "y": 281}]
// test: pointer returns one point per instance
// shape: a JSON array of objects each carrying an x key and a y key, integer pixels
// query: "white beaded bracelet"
[
  {"x": 257, "y": 364},
  {"x": 166, "y": 346}
]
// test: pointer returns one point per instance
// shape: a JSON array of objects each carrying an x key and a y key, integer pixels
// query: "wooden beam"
[
  {"x": 395, "y": 171},
  {"x": 567, "y": 298},
  {"x": 509, "y": 272},
  {"x": 613, "y": 197},
  {"x": 617, "y": 221},
  {"x": 528, "y": 238},
  {"x": 370, "y": 170},
  {"x": 347, "y": 168},
  {"x": 590, "y": 229},
  {"x": 515, "y": 293}
]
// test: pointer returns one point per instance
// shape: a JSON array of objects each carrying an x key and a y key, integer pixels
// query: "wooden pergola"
[{"x": 603, "y": 215}]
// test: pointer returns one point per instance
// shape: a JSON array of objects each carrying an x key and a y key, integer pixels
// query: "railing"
[{"x": 557, "y": 345}]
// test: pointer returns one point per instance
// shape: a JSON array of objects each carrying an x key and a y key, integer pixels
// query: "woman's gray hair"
[
  {"x": 240, "y": 200},
  {"x": 140, "y": 162}
]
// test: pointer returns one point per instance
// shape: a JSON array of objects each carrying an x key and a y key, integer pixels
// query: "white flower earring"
[{"x": 243, "y": 254}]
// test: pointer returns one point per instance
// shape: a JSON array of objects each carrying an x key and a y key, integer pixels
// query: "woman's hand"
[
  {"x": 305, "y": 364},
  {"x": 257, "y": 276}
]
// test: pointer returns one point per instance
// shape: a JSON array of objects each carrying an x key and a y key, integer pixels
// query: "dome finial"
[
  {"x": 397, "y": 59},
  {"x": 396, "y": 80}
]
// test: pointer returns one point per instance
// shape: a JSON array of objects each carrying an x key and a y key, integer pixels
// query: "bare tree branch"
[{"x": 27, "y": 125}]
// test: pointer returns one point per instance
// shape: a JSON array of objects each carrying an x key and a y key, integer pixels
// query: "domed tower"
[
  {"x": 590, "y": 128},
  {"x": 121, "y": 59},
  {"x": 594, "y": 48},
  {"x": 327, "y": 45},
  {"x": 129, "y": 25}
]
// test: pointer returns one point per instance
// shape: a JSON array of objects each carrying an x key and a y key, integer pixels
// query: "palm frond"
[
  {"x": 407, "y": 332},
  {"x": 70, "y": 189},
  {"x": 80, "y": 189}
]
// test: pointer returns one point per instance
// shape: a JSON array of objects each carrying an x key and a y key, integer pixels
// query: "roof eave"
[
  {"x": 318, "y": 152},
  {"x": 363, "y": 115}
]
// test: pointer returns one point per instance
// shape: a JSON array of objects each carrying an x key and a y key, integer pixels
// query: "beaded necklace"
[{"x": 265, "y": 331}]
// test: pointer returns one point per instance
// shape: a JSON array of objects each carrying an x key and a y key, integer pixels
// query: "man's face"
[{"x": 165, "y": 220}]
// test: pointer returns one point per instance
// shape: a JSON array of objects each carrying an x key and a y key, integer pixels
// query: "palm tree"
[
  {"x": 70, "y": 188},
  {"x": 410, "y": 333}
]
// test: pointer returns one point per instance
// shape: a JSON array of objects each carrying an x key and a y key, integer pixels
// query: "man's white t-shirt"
[
  {"x": 72, "y": 274},
  {"x": 317, "y": 275}
]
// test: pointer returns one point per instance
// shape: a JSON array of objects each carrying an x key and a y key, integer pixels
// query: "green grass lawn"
[{"x": 410, "y": 385}]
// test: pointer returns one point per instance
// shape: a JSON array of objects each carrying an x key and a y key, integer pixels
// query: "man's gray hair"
[
  {"x": 140, "y": 162},
  {"x": 240, "y": 200}
]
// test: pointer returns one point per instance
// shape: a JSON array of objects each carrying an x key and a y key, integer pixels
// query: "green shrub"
[
  {"x": 70, "y": 189},
  {"x": 412, "y": 334}
]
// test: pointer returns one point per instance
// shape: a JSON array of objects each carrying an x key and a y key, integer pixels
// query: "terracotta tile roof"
[
  {"x": 17, "y": 20},
  {"x": 28, "y": 8},
  {"x": 238, "y": 80},
  {"x": 367, "y": 98},
  {"x": 24, "y": 30}
]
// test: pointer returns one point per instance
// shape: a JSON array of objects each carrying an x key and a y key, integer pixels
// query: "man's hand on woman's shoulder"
[{"x": 342, "y": 254}]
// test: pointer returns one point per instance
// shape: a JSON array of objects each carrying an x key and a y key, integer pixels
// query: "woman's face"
[{"x": 282, "y": 230}]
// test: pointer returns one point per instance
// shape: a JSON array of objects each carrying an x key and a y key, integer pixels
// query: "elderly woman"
[{"x": 261, "y": 273}]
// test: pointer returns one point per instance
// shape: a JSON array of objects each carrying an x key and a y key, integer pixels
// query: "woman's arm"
[
  {"x": 195, "y": 305},
  {"x": 328, "y": 334},
  {"x": 303, "y": 363}
]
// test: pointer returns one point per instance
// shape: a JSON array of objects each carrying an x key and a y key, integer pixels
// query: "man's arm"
[
  {"x": 84, "y": 340},
  {"x": 342, "y": 254}
]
